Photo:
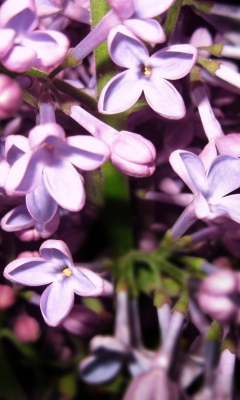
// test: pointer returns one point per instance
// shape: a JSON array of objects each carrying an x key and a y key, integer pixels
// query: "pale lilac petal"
[
  {"x": 201, "y": 37},
  {"x": 51, "y": 47},
  {"x": 30, "y": 271},
  {"x": 149, "y": 29},
  {"x": 196, "y": 170},
  {"x": 180, "y": 169},
  {"x": 230, "y": 205},
  {"x": 6, "y": 41},
  {"x": 123, "y": 9},
  {"x": 46, "y": 8},
  {"x": 25, "y": 175},
  {"x": 86, "y": 283},
  {"x": 19, "y": 59},
  {"x": 40, "y": 204},
  {"x": 201, "y": 206},
  {"x": 125, "y": 49},
  {"x": 4, "y": 170},
  {"x": 46, "y": 230},
  {"x": 41, "y": 133},
  {"x": 223, "y": 177},
  {"x": 120, "y": 93},
  {"x": 64, "y": 184},
  {"x": 16, "y": 219},
  {"x": 208, "y": 154},
  {"x": 229, "y": 145},
  {"x": 101, "y": 368},
  {"x": 85, "y": 152},
  {"x": 15, "y": 147},
  {"x": 133, "y": 169},
  {"x": 18, "y": 15},
  {"x": 57, "y": 301},
  {"x": 174, "y": 62},
  {"x": 163, "y": 97},
  {"x": 57, "y": 251},
  {"x": 150, "y": 9}
]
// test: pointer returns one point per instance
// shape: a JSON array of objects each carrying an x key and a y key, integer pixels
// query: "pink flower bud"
[
  {"x": 133, "y": 155},
  {"x": 27, "y": 235},
  {"x": 10, "y": 97},
  {"x": 220, "y": 283},
  {"x": 7, "y": 297},
  {"x": 27, "y": 329}
]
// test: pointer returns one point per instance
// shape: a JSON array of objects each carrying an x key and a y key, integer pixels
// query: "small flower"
[
  {"x": 147, "y": 74},
  {"x": 21, "y": 47},
  {"x": 55, "y": 266}
]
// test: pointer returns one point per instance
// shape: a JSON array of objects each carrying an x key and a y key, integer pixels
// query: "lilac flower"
[
  {"x": 137, "y": 18},
  {"x": 55, "y": 266},
  {"x": 147, "y": 74},
  {"x": 10, "y": 97},
  {"x": 50, "y": 160},
  {"x": 210, "y": 178},
  {"x": 21, "y": 47}
]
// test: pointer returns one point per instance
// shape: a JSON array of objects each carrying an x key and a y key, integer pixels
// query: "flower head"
[
  {"x": 55, "y": 266},
  {"x": 145, "y": 74}
]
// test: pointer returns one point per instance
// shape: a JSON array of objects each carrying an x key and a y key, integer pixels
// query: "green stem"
[
  {"x": 172, "y": 18},
  {"x": 116, "y": 211}
]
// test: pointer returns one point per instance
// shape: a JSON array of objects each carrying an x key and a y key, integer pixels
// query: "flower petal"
[
  {"x": 85, "y": 152},
  {"x": 19, "y": 59},
  {"x": 15, "y": 147},
  {"x": 229, "y": 145},
  {"x": 196, "y": 170},
  {"x": 174, "y": 62},
  {"x": 125, "y": 49},
  {"x": 25, "y": 174},
  {"x": 148, "y": 29},
  {"x": 123, "y": 9},
  {"x": 40, "y": 204},
  {"x": 57, "y": 301},
  {"x": 20, "y": 16},
  {"x": 85, "y": 282},
  {"x": 51, "y": 47},
  {"x": 30, "y": 271},
  {"x": 65, "y": 185},
  {"x": 228, "y": 205},
  {"x": 179, "y": 167},
  {"x": 57, "y": 251},
  {"x": 223, "y": 177},
  {"x": 46, "y": 230},
  {"x": 120, "y": 93},
  {"x": 16, "y": 219},
  {"x": 101, "y": 368},
  {"x": 163, "y": 97},
  {"x": 6, "y": 41},
  {"x": 151, "y": 9}
]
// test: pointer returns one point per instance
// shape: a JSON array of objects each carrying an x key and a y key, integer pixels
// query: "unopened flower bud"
[
  {"x": 7, "y": 297},
  {"x": 133, "y": 155},
  {"x": 27, "y": 329},
  {"x": 10, "y": 97}
]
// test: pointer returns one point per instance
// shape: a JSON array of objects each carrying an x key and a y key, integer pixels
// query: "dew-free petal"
[
  {"x": 16, "y": 219},
  {"x": 40, "y": 204},
  {"x": 164, "y": 98},
  {"x": 147, "y": 29},
  {"x": 31, "y": 271},
  {"x": 86, "y": 283},
  {"x": 151, "y": 9},
  {"x": 57, "y": 251},
  {"x": 101, "y": 368},
  {"x": 57, "y": 301},
  {"x": 19, "y": 59},
  {"x": 120, "y": 93}
]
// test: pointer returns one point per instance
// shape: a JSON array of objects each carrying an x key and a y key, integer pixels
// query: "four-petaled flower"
[
  {"x": 147, "y": 74},
  {"x": 55, "y": 266}
]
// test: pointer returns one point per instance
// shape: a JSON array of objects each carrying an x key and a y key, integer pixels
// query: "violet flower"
[
  {"x": 145, "y": 74},
  {"x": 210, "y": 178},
  {"x": 55, "y": 266},
  {"x": 21, "y": 47},
  {"x": 135, "y": 15},
  {"x": 50, "y": 160}
]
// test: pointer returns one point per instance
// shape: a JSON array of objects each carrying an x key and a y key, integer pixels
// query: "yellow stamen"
[
  {"x": 67, "y": 272},
  {"x": 49, "y": 146},
  {"x": 146, "y": 71}
]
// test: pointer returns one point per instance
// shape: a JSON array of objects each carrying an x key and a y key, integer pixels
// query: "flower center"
[
  {"x": 67, "y": 271},
  {"x": 146, "y": 71},
  {"x": 49, "y": 146}
]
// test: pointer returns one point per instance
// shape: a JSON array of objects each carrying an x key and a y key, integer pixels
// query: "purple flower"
[
  {"x": 50, "y": 160},
  {"x": 210, "y": 178},
  {"x": 21, "y": 47},
  {"x": 145, "y": 74},
  {"x": 55, "y": 266}
]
